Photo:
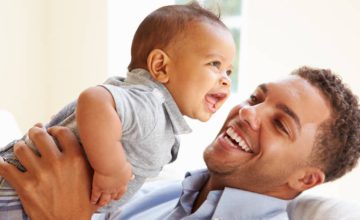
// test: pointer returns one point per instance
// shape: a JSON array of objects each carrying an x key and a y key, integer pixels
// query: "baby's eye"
[
  {"x": 216, "y": 64},
  {"x": 228, "y": 72}
]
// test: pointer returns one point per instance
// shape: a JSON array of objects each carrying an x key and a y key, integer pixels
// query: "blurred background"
[{"x": 51, "y": 50}]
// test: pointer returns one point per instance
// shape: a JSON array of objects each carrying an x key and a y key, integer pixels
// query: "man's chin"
[{"x": 216, "y": 166}]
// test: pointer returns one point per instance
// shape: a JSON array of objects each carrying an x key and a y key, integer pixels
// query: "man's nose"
[
  {"x": 250, "y": 116},
  {"x": 225, "y": 79}
]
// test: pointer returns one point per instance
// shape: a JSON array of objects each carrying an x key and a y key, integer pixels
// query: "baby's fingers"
[
  {"x": 95, "y": 196},
  {"x": 116, "y": 196},
  {"x": 105, "y": 198}
]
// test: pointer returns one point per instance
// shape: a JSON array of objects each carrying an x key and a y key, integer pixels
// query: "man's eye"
[
  {"x": 280, "y": 125},
  {"x": 253, "y": 100}
]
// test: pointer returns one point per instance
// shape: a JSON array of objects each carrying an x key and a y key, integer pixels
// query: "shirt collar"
[
  {"x": 143, "y": 77},
  {"x": 177, "y": 119},
  {"x": 194, "y": 180},
  {"x": 252, "y": 205},
  {"x": 235, "y": 203}
]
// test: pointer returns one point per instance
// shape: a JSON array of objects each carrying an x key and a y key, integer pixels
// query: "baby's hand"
[{"x": 110, "y": 187}]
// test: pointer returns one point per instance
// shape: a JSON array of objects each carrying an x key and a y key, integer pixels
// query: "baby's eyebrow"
[
  {"x": 214, "y": 55},
  {"x": 264, "y": 88}
]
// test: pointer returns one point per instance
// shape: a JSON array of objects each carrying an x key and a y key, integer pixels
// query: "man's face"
[{"x": 270, "y": 137}]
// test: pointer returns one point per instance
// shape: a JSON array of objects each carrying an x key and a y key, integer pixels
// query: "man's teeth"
[{"x": 235, "y": 137}]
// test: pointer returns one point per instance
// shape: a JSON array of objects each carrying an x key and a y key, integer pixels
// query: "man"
[{"x": 290, "y": 136}]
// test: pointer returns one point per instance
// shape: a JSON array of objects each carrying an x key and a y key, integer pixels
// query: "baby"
[{"x": 181, "y": 59}]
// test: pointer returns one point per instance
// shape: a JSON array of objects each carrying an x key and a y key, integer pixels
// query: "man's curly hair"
[{"x": 337, "y": 144}]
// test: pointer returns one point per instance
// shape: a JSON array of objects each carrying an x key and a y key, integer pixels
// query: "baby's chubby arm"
[{"x": 100, "y": 131}]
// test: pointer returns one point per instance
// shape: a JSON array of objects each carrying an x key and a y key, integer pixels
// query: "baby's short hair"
[{"x": 161, "y": 27}]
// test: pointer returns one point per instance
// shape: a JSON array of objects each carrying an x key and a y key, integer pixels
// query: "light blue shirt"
[{"x": 173, "y": 201}]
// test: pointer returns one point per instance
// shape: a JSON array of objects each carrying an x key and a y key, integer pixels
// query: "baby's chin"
[{"x": 204, "y": 117}]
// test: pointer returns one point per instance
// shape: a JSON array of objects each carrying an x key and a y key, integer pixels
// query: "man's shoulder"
[
  {"x": 154, "y": 199},
  {"x": 160, "y": 187}
]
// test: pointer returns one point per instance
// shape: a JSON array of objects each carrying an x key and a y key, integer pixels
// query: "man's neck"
[
  {"x": 200, "y": 198},
  {"x": 203, "y": 193}
]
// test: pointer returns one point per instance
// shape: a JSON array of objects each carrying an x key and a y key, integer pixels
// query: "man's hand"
[{"x": 57, "y": 184}]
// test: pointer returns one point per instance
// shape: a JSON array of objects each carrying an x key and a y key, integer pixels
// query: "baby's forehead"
[{"x": 197, "y": 27}]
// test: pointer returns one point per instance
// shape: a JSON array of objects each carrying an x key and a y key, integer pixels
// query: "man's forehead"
[
  {"x": 288, "y": 79},
  {"x": 292, "y": 86},
  {"x": 298, "y": 95}
]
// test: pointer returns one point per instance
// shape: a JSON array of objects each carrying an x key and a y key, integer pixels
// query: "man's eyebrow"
[
  {"x": 291, "y": 113},
  {"x": 283, "y": 107}
]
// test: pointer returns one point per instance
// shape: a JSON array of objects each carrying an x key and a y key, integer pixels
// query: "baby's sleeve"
[{"x": 136, "y": 109}]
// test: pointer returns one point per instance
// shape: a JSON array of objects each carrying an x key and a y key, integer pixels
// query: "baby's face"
[{"x": 199, "y": 69}]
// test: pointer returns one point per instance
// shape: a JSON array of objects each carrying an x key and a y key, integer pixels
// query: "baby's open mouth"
[{"x": 212, "y": 99}]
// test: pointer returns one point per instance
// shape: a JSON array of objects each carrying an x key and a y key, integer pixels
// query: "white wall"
[
  {"x": 77, "y": 33},
  {"x": 23, "y": 60},
  {"x": 283, "y": 35},
  {"x": 50, "y": 51}
]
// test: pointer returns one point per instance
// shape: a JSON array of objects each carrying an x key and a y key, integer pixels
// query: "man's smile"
[
  {"x": 235, "y": 140},
  {"x": 231, "y": 140}
]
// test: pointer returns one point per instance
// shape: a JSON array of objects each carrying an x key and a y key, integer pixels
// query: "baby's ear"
[
  {"x": 157, "y": 62},
  {"x": 306, "y": 179}
]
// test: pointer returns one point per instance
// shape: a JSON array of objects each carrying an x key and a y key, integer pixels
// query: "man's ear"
[
  {"x": 157, "y": 62},
  {"x": 306, "y": 179}
]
